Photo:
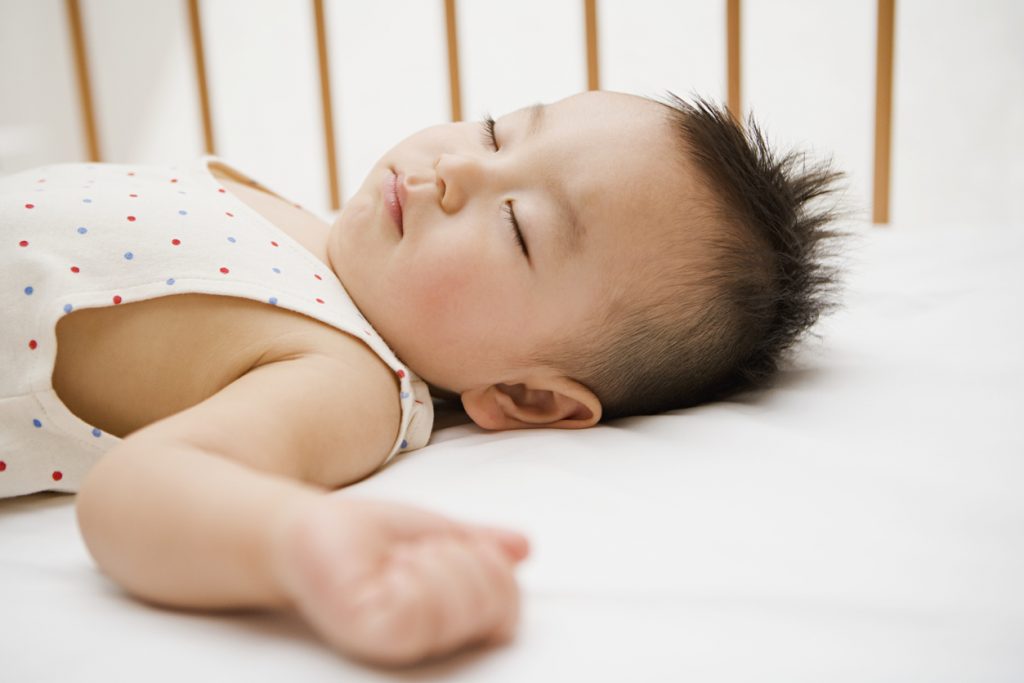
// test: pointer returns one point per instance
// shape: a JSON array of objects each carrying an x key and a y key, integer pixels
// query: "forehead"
[
  {"x": 621, "y": 167},
  {"x": 607, "y": 123}
]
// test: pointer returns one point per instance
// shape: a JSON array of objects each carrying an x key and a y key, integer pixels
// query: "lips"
[{"x": 392, "y": 199}]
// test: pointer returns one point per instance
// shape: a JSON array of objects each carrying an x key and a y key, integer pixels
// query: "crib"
[{"x": 860, "y": 520}]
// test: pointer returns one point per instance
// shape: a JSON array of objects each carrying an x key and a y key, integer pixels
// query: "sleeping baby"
[{"x": 203, "y": 361}]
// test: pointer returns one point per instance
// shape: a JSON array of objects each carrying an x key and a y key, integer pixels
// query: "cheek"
[
  {"x": 447, "y": 291},
  {"x": 443, "y": 282}
]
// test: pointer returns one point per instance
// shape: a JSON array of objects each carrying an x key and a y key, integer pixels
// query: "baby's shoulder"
[
  {"x": 347, "y": 354},
  {"x": 356, "y": 370},
  {"x": 340, "y": 399},
  {"x": 306, "y": 337},
  {"x": 319, "y": 405}
]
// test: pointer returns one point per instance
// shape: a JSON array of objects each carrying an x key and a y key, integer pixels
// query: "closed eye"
[{"x": 491, "y": 140}]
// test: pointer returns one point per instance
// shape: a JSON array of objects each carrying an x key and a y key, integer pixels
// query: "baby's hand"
[{"x": 394, "y": 584}]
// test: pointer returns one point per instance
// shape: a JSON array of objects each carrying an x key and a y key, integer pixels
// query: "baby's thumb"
[{"x": 515, "y": 545}]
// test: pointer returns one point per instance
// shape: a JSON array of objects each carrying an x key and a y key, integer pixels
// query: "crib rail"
[{"x": 883, "y": 84}]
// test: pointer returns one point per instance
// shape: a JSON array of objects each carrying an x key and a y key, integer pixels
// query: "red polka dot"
[
  {"x": 174, "y": 180},
  {"x": 274, "y": 243},
  {"x": 30, "y": 206},
  {"x": 401, "y": 373},
  {"x": 74, "y": 269},
  {"x": 32, "y": 344},
  {"x": 117, "y": 299},
  {"x": 175, "y": 241},
  {"x": 225, "y": 271},
  {"x": 319, "y": 300},
  {"x": 317, "y": 276},
  {"x": 221, "y": 189},
  {"x": 3, "y": 466},
  {"x": 133, "y": 195},
  {"x": 23, "y": 243},
  {"x": 131, "y": 219},
  {"x": 229, "y": 214},
  {"x": 131, "y": 172},
  {"x": 57, "y": 476}
]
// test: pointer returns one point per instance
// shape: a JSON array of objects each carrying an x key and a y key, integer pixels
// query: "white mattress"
[{"x": 863, "y": 521}]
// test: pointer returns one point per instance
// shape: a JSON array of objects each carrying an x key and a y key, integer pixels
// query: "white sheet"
[{"x": 862, "y": 521}]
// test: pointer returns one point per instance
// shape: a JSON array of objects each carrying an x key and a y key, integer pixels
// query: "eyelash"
[{"x": 491, "y": 140}]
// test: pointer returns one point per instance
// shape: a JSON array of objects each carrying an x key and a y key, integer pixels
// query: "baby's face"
[{"x": 594, "y": 184}]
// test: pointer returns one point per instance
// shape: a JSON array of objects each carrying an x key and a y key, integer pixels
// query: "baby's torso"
[
  {"x": 110, "y": 368},
  {"x": 137, "y": 358}
]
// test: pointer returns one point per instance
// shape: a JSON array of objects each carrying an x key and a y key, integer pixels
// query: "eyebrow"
[{"x": 571, "y": 240}]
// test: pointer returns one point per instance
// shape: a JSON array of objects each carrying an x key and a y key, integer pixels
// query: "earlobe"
[{"x": 552, "y": 402}]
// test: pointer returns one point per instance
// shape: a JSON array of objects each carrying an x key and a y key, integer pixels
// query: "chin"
[
  {"x": 332, "y": 257},
  {"x": 335, "y": 225}
]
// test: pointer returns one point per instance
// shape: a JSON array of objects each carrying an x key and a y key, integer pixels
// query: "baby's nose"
[
  {"x": 459, "y": 175},
  {"x": 425, "y": 182}
]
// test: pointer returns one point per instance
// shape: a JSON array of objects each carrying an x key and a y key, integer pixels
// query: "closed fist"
[{"x": 394, "y": 584}]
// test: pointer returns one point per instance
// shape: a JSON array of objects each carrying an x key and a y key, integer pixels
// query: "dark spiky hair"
[{"x": 762, "y": 279}]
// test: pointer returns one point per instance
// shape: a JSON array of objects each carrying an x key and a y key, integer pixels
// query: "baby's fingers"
[
  {"x": 473, "y": 590},
  {"x": 497, "y": 567},
  {"x": 516, "y": 546}
]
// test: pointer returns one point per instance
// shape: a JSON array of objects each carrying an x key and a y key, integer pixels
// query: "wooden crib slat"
[
  {"x": 590, "y": 19},
  {"x": 325, "y": 98},
  {"x": 883, "y": 110},
  {"x": 84, "y": 85},
  {"x": 196, "y": 30},
  {"x": 732, "y": 58},
  {"x": 454, "y": 87}
]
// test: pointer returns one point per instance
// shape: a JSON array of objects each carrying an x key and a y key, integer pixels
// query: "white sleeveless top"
[{"x": 88, "y": 235}]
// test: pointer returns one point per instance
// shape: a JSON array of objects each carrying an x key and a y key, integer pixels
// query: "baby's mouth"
[{"x": 392, "y": 196}]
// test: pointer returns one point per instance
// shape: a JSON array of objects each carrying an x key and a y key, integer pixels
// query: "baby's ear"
[{"x": 553, "y": 402}]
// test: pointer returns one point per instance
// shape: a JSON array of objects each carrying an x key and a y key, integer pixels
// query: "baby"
[{"x": 601, "y": 256}]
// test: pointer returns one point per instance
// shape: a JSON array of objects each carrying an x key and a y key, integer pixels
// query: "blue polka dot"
[
  {"x": 404, "y": 394},
  {"x": 273, "y": 300},
  {"x": 82, "y": 231},
  {"x": 68, "y": 308},
  {"x": 37, "y": 423},
  {"x": 129, "y": 255},
  {"x": 405, "y": 444},
  {"x": 29, "y": 290},
  {"x": 182, "y": 212},
  {"x": 276, "y": 270},
  {"x": 97, "y": 433},
  {"x": 232, "y": 240},
  {"x": 87, "y": 201},
  {"x": 170, "y": 280}
]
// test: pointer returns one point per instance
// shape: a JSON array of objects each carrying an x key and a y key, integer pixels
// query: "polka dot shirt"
[{"x": 86, "y": 235}]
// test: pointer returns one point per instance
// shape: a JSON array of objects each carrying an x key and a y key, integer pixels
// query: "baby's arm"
[{"x": 224, "y": 506}]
